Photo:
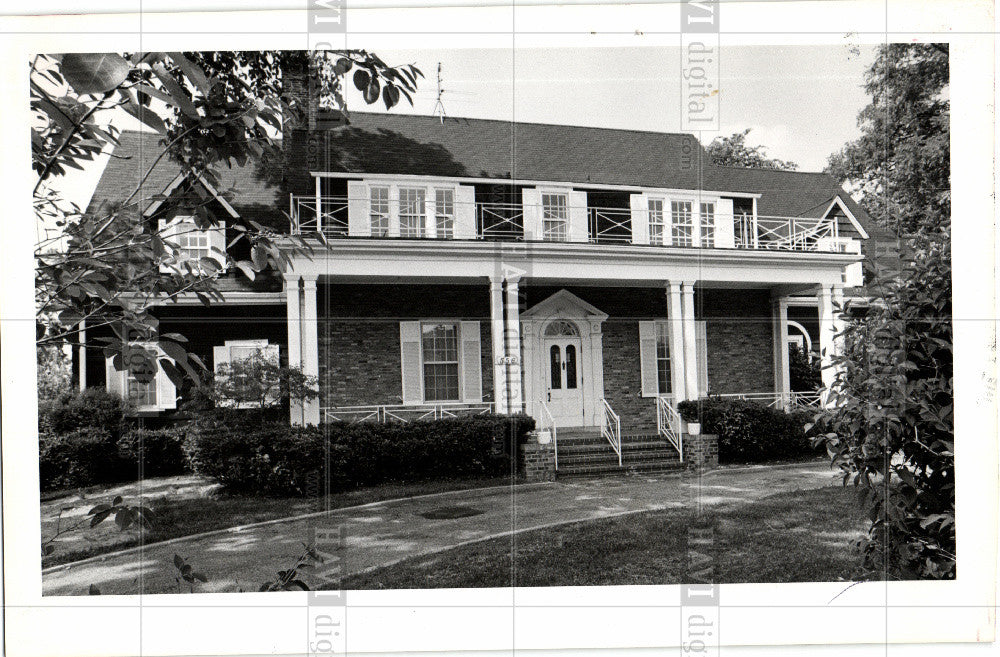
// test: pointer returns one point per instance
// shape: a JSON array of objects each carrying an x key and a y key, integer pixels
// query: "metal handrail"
[
  {"x": 668, "y": 425},
  {"x": 552, "y": 425},
  {"x": 611, "y": 428}
]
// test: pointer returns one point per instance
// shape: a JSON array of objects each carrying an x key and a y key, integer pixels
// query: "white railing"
[
  {"x": 505, "y": 221},
  {"x": 547, "y": 415},
  {"x": 668, "y": 424},
  {"x": 802, "y": 400},
  {"x": 611, "y": 428},
  {"x": 400, "y": 413}
]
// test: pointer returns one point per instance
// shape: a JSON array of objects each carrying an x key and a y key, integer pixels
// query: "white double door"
[{"x": 564, "y": 381}]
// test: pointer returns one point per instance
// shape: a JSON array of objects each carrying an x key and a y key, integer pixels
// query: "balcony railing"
[{"x": 330, "y": 215}]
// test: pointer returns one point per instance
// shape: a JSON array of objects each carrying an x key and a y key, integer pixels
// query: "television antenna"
[{"x": 439, "y": 105}]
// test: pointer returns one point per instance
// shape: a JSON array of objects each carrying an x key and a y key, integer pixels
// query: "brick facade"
[
  {"x": 701, "y": 452},
  {"x": 740, "y": 338}
]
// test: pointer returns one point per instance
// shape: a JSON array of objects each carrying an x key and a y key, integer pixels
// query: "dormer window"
[{"x": 189, "y": 244}]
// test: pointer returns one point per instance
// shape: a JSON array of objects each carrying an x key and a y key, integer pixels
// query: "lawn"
[
  {"x": 182, "y": 509},
  {"x": 801, "y": 536}
]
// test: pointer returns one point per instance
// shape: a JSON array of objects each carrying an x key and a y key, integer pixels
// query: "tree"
[
  {"x": 900, "y": 166},
  {"x": 260, "y": 382},
  {"x": 734, "y": 151},
  {"x": 890, "y": 427},
  {"x": 54, "y": 375},
  {"x": 105, "y": 268}
]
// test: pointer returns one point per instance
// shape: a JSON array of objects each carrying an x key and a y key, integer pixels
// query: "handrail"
[
  {"x": 611, "y": 428},
  {"x": 668, "y": 425},
  {"x": 552, "y": 425}
]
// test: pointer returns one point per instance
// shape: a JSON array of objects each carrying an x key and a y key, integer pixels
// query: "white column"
[
  {"x": 676, "y": 340},
  {"x": 319, "y": 204},
  {"x": 829, "y": 325},
  {"x": 293, "y": 313},
  {"x": 782, "y": 381},
  {"x": 81, "y": 354},
  {"x": 512, "y": 340},
  {"x": 310, "y": 346},
  {"x": 690, "y": 341},
  {"x": 497, "y": 336}
]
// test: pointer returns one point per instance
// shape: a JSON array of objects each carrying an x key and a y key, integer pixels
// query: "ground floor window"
[
  {"x": 149, "y": 390},
  {"x": 663, "y": 358},
  {"x": 439, "y": 352}
]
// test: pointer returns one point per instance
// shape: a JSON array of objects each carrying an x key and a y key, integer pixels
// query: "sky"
[{"x": 800, "y": 102}]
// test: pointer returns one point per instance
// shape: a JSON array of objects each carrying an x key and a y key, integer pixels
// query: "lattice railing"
[{"x": 401, "y": 413}]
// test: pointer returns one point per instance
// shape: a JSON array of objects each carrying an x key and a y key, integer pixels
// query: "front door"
[{"x": 564, "y": 389}]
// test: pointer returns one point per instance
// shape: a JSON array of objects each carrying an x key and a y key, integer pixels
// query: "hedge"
[
  {"x": 273, "y": 458},
  {"x": 750, "y": 432},
  {"x": 76, "y": 410}
]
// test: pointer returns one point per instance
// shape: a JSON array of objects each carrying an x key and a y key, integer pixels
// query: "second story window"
[
  {"x": 412, "y": 211},
  {"x": 707, "y": 220},
  {"x": 380, "y": 211},
  {"x": 444, "y": 213},
  {"x": 190, "y": 245},
  {"x": 656, "y": 221},
  {"x": 555, "y": 217},
  {"x": 682, "y": 223}
]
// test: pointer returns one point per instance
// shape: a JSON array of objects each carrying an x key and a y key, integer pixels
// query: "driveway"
[{"x": 382, "y": 533}]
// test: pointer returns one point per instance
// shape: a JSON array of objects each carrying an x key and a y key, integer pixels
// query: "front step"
[{"x": 585, "y": 452}]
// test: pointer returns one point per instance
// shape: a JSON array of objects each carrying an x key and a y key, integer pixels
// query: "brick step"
[
  {"x": 601, "y": 440},
  {"x": 627, "y": 448},
  {"x": 652, "y": 467},
  {"x": 611, "y": 457}
]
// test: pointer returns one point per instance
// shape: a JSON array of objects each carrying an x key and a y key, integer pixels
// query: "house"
[{"x": 589, "y": 277}]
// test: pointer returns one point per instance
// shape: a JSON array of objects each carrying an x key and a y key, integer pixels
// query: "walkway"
[{"x": 383, "y": 533}]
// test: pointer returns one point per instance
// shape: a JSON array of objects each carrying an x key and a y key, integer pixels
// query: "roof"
[{"x": 485, "y": 148}]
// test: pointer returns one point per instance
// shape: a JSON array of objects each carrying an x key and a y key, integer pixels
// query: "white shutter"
[
  {"x": 531, "y": 206},
  {"x": 579, "y": 224},
  {"x": 724, "y": 236},
  {"x": 854, "y": 275},
  {"x": 647, "y": 359},
  {"x": 217, "y": 244},
  {"x": 472, "y": 363},
  {"x": 220, "y": 355},
  {"x": 358, "y": 219},
  {"x": 272, "y": 354},
  {"x": 465, "y": 212},
  {"x": 640, "y": 218},
  {"x": 166, "y": 393},
  {"x": 701, "y": 344},
  {"x": 409, "y": 340},
  {"x": 113, "y": 379}
]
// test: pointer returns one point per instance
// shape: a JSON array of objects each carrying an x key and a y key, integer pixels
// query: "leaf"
[
  {"x": 99, "y": 518},
  {"x": 371, "y": 93},
  {"x": 259, "y": 256},
  {"x": 192, "y": 72},
  {"x": 361, "y": 79},
  {"x": 179, "y": 97},
  {"x": 48, "y": 549},
  {"x": 342, "y": 66},
  {"x": 93, "y": 590},
  {"x": 118, "y": 500},
  {"x": 98, "y": 509},
  {"x": 94, "y": 73},
  {"x": 199, "y": 576},
  {"x": 178, "y": 562},
  {"x": 246, "y": 268}
]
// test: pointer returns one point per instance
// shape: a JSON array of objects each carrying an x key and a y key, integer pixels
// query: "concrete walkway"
[{"x": 379, "y": 534}]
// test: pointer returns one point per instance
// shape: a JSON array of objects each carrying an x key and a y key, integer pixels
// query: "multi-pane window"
[
  {"x": 444, "y": 213},
  {"x": 707, "y": 221},
  {"x": 555, "y": 217},
  {"x": 141, "y": 393},
  {"x": 682, "y": 223},
  {"x": 379, "y": 211},
  {"x": 662, "y": 358},
  {"x": 412, "y": 211},
  {"x": 656, "y": 221},
  {"x": 440, "y": 360},
  {"x": 191, "y": 242}
]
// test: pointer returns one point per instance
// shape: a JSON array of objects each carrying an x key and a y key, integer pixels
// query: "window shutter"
[
  {"x": 531, "y": 207},
  {"x": 272, "y": 354},
  {"x": 217, "y": 244},
  {"x": 701, "y": 344},
  {"x": 114, "y": 380},
  {"x": 640, "y": 218},
  {"x": 358, "y": 220},
  {"x": 579, "y": 224},
  {"x": 465, "y": 212},
  {"x": 472, "y": 363},
  {"x": 220, "y": 355},
  {"x": 647, "y": 358},
  {"x": 854, "y": 275},
  {"x": 166, "y": 393},
  {"x": 409, "y": 340},
  {"x": 724, "y": 234}
]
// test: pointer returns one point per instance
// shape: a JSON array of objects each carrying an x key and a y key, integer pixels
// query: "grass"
[
  {"x": 801, "y": 536},
  {"x": 178, "y": 515}
]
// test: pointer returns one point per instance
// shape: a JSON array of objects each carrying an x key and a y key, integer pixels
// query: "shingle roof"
[{"x": 425, "y": 145}]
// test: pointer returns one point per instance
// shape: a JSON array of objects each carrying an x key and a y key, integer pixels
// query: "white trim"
[
  {"x": 176, "y": 182},
  {"x": 529, "y": 183},
  {"x": 805, "y": 334},
  {"x": 850, "y": 215}
]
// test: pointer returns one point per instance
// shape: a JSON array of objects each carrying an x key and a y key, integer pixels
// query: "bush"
[
  {"x": 82, "y": 457},
  {"x": 750, "y": 432},
  {"x": 160, "y": 452},
  {"x": 273, "y": 458},
  {"x": 75, "y": 410}
]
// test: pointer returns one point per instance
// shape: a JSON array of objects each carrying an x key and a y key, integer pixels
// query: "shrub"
[
  {"x": 805, "y": 371},
  {"x": 750, "y": 432},
  {"x": 160, "y": 452},
  {"x": 273, "y": 458},
  {"x": 82, "y": 457},
  {"x": 76, "y": 410}
]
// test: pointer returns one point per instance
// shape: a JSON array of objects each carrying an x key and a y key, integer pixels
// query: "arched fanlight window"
[{"x": 561, "y": 328}]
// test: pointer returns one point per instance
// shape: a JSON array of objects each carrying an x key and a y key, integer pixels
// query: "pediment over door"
[{"x": 564, "y": 304}]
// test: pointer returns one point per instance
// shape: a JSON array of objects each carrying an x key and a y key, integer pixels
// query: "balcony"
[{"x": 340, "y": 217}]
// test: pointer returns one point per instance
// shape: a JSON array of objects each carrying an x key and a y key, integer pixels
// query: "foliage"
[
  {"x": 106, "y": 267},
  {"x": 750, "y": 432},
  {"x": 80, "y": 457},
  {"x": 187, "y": 573},
  {"x": 90, "y": 408},
  {"x": 273, "y": 458},
  {"x": 154, "y": 452},
  {"x": 804, "y": 370},
  {"x": 259, "y": 382},
  {"x": 901, "y": 164},
  {"x": 54, "y": 375},
  {"x": 290, "y": 579},
  {"x": 891, "y": 428},
  {"x": 125, "y": 515},
  {"x": 734, "y": 151}
]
